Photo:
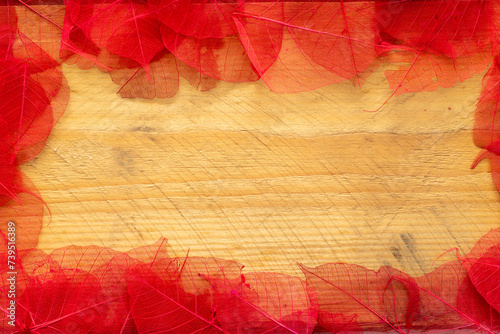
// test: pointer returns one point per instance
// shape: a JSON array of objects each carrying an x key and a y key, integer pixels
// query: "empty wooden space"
[{"x": 268, "y": 179}]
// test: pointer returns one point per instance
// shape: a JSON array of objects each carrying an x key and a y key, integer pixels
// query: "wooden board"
[{"x": 268, "y": 179}]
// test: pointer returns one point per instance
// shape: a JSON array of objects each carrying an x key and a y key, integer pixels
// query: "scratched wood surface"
[{"x": 268, "y": 179}]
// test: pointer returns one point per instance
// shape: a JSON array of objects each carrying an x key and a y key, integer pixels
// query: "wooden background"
[{"x": 268, "y": 179}]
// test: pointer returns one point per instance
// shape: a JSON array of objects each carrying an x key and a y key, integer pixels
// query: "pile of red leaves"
[
  {"x": 33, "y": 95},
  {"x": 291, "y": 45},
  {"x": 99, "y": 290},
  {"x": 145, "y": 46}
]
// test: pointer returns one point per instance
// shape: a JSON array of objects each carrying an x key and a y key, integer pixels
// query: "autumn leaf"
[
  {"x": 199, "y": 19},
  {"x": 265, "y": 302},
  {"x": 219, "y": 58},
  {"x": 421, "y": 71},
  {"x": 42, "y": 23},
  {"x": 172, "y": 295},
  {"x": 450, "y": 301},
  {"x": 449, "y": 28},
  {"x": 486, "y": 132},
  {"x": 435, "y": 43},
  {"x": 382, "y": 300},
  {"x": 483, "y": 267},
  {"x": 24, "y": 208},
  {"x": 337, "y": 323},
  {"x": 297, "y": 46},
  {"x": 163, "y": 80}
]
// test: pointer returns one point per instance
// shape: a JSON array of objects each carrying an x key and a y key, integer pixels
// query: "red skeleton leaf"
[
  {"x": 33, "y": 96},
  {"x": 384, "y": 300},
  {"x": 486, "y": 132},
  {"x": 450, "y": 301},
  {"x": 265, "y": 302},
  {"x": 297, "y": 46},
  {"x": 483, "y": 267},
  {"x": 173, "y": 295}
]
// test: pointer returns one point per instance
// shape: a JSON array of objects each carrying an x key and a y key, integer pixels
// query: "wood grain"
[{"x": 266, "y": 179}]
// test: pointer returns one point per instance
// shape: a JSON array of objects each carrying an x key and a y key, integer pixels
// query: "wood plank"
[{"x": 268, "y": 179}]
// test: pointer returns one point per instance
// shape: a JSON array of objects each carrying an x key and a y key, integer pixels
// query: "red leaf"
[
  {"x": 262, "y": 40},
  {"x": 13, "y": 284},
  {"x": 148, "y": 254},
  {"x": 33, "y": 96},
  {"x": 199, "y": 19},
  {"x": 301, "y": 46},
  {"x": 265, "y": 302},
  {"x": 220, "y": 58},
  {"x": 487, "y": 116},
  {"x": 124, "y": 39},
  {"x": 62, "y": 303},
  {"x": 482, "y": 246},
  {"x": 450, "y": 28},
  {"x": 384, "y": 300},
  {"x": 476, "y": 307},
  {"x": 439, "y": 42},
  {"x": 25, "y": 209},
  {"x": 493, "y": 10},
  {"x": 25, "y": 108},
  {"x": 50, "y": 298},
  {"x": 196, "y": 79},
  {"x": 73, "y": 290},
  {"x": 449, "y": 301},
  {"x": 204, "y": 36},
  {"x": 10, "y": 179},
  {"x": 420, "y": 71},
  {"x": 128, "y": 29},
  {"x": 163, "y": 80},
  {"x": 125, "y": 28},
  {"x": 486, "y": 131},
  {"x": 41, "y": 24},
  {"x": 337, "y": 323},
  {"x": 483, "y": 267},
  {"x": 172, "y": 296},
  {"x": 77, "y": 46},
  {"x": 109, "y": 268}
]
